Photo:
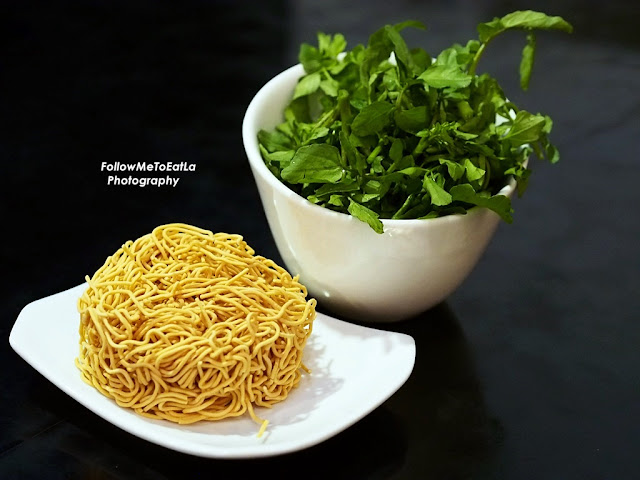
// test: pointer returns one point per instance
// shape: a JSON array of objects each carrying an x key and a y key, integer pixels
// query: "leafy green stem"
[
  {"x": 324, "y": 121},
  {"x": 374, "y": 153},
  {"x": 476, "y": 58}
]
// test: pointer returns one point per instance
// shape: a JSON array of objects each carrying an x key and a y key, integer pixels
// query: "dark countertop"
[{"x": 530, "y": 370}]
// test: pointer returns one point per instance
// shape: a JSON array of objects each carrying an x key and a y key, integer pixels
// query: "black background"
[{"x": 530, "y": 370}]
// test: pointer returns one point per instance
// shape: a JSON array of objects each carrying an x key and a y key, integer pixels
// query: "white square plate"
[{"x": 353, "y": 370}]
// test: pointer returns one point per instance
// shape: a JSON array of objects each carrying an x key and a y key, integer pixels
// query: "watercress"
[{"x": 387, "y": 131}]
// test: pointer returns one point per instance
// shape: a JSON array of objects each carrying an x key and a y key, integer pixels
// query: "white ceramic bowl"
[{"x": 346, "y": 266}]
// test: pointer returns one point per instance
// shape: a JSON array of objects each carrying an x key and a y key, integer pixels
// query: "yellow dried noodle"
[{"x": 186, "y": 325}]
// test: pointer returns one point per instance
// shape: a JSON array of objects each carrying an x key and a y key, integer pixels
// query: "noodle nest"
[{"x": 187, "y": 325}]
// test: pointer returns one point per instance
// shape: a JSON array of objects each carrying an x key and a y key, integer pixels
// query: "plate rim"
[{"x": 261, "y": 450}]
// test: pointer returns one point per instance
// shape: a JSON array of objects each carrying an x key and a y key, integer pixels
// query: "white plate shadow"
[{"x": 354, "y": 369}]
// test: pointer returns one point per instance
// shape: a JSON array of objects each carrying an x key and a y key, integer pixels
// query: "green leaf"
[
  {"x": 274, "y": 140},
  {"x": 457, "y": 55},
  {"x": 498, "y": 203},
  {"x": 316, "y": 133},
  {"x": 330, "y": 86},
  {"x": 341, "y": 187},
  {"x": 526, "y": 64},
  {"x": 317, "y": 163},
  {"x": 553, "y": 155},
  {"x": 411, "y": 120},
  {"x": 533, "y": 19},
  {"x": 331, "y": 45},
  {"x": 465, "y": 110},
  {"x": 391, "y": 80},
  {"x": 395, "y": 152},
  {"x": 372, "y": 119},
  {"x": 298, "y": 110},
  {"x": 406, "y": 206},
  {"x": 526, "y": 128},
  {"x": 406, "y": 161},
  {"x": 521, "y": 174},
  {"x": 525, "y": 19},
  {"x": 307, "y": 85},
  {"x": 366, "y": 215},
  {"x": 412, "y": 171},
  {"x": 376, "y": 165},
  {"x": 337, "y": 200},
  {"x": 442, "y": 76},
  {"x": 283, "y": 157},
  {"x": 420, "y": 58},
  {"x": 488, "y": 30},
  {"x": 364, "y": 197},
  {"x": 455, "y": 169},
  {"x": 439, "y": 196},
  {"x": 548, "y": 125},
  {"x": 402, "y": 53},
  {"x": 473, "y": 172},
  {"x": 447, "y": 58},
  {"x": 409, "y": 23},
  {"x": 378, "y": 50},
  {"x": 310, "y": 58},
  {"x": 324, "y": 41}
]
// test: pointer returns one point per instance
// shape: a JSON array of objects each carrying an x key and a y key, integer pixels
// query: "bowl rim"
[{"x": 250, "y": 139}]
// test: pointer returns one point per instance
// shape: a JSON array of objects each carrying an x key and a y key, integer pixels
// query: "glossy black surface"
[{"x": 530, "y": 370}]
